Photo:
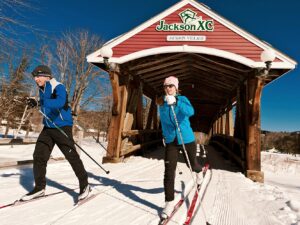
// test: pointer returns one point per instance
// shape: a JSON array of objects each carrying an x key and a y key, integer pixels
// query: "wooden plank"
[
  {"x": 131, "y": 112},
  {"x": 155, "y": 120},
  {"x": 150, "y": 115},
  {"x": 231, "y": 122},
  {"x": 114, "y": 80},
  {"x": 227, "y": 123},
  {"x": 211, "y": 69},
  {"x": 241, "y": 116},
  {"x": 164, "y": 65},
  {"x": 115, "y": 128},
  {"x": 221, "y": 81},
  {"x": 256, "y": 176},
  {"x": 212, "y": 93},
  {"x": 133, "y": 100},
  {"x": 128, "y": 121},
  {"x": 164, "y": 59},
  {"x": 138, "y": 132},
  {"x": 222, "y": 66},
  {"x": 139, "y": 110},
  {"x": 138, "y": 146},
  {"x": 255, "y": 86}
]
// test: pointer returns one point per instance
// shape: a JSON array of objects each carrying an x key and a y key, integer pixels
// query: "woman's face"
[{"x": 170, "y": 89}]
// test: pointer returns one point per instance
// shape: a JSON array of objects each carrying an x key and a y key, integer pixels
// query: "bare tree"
[
  {"x": 80, "y": 45},
  {"x": 77, "y": 74},
  {"x": 12, "y": 87},
  {"x": 11, "y": 14},
  {"x": 67, "y": 59},
  {"x": 63, "y": 59}
]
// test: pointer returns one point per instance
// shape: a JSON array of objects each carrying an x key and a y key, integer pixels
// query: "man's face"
[{"x": 41, "y": 80}]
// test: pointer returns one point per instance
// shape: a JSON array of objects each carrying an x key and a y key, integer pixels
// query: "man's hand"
[
  {"x": 31, "y": 102},
  {"x": 170, "y": 99}
]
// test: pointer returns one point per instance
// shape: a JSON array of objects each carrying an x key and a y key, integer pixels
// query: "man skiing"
[{"x": 53, "y": 101}]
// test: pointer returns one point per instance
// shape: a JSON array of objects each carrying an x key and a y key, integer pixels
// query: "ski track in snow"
[
  {"x": 132, "y": 194},
  {"x": 227, "y": 199},
  {"x": 110, "y": 194}
]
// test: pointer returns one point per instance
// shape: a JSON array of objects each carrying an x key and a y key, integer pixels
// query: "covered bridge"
[{"x": 220, "y": 67}]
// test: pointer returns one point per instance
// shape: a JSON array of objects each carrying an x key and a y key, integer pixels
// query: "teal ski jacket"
[{"x": 183, "y": 110}]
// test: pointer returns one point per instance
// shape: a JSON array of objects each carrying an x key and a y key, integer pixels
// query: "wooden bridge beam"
[
  {"x": 253, "y": 145},
  {"x": 117, "y": 120}
]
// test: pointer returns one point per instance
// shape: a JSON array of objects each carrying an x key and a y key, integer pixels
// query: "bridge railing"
[
  {"x": 133, "y": 140},
  {"x": 235, "y": 148}
]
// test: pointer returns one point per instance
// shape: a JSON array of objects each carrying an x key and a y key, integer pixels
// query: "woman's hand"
[{"x": 170, "y": 99}]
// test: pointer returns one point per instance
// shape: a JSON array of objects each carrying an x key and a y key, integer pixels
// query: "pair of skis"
[
  {"x": 193, "y": 206},
  {"x": 21, "y": 202}
]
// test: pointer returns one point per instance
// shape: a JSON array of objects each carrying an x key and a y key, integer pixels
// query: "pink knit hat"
[{"x": 171, "y": 80}]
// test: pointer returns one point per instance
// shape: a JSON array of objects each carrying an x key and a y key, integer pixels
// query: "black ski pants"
[
  {"x": 171, "y": 158},
  {"x": 44, "y": 146}
]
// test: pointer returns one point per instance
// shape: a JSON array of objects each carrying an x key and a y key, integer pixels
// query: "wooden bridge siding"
[
  {"x": 128, "y": 114},
  {"x": 247, "y": 124}
]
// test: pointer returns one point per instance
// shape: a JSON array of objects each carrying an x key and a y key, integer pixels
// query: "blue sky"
[{"x": 274, "y": 21}]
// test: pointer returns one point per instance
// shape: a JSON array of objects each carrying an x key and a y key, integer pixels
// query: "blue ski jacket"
[
  {"x": 54, "y": 103},
  {"x": 183, "y": 110}
]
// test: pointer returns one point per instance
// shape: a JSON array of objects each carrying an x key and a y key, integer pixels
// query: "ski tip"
[{"x": 162, "y": 221}]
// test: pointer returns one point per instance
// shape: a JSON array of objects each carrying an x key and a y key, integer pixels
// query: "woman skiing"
[{"x": 183, "y": 110}]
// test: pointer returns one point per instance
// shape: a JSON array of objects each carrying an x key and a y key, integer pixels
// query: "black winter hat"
[{"x": 42, "y": 70}]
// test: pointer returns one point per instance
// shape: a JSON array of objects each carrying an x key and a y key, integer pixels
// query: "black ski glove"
[{"x": 31, "y": 102}]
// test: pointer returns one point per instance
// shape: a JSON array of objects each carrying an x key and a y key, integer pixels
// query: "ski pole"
[
  {"x": 100, "y": 144},
  {"x": 21, "y": 123},
  {"x": 183, "y": 145},
  {"x": 64, "y": 133}
]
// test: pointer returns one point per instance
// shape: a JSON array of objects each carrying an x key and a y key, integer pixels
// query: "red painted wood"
[{"x": 221, "y": 38}]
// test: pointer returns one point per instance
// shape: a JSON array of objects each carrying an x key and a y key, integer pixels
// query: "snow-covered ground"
[{"x": 133, "y": 191}]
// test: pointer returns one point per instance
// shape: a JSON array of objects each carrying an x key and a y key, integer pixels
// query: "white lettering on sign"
[
  {"x": 190, "y": 22},
  {"x": 186, "y": 38}
]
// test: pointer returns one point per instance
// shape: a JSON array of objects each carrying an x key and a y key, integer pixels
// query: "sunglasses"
[{"x": 169, "y": 86}]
